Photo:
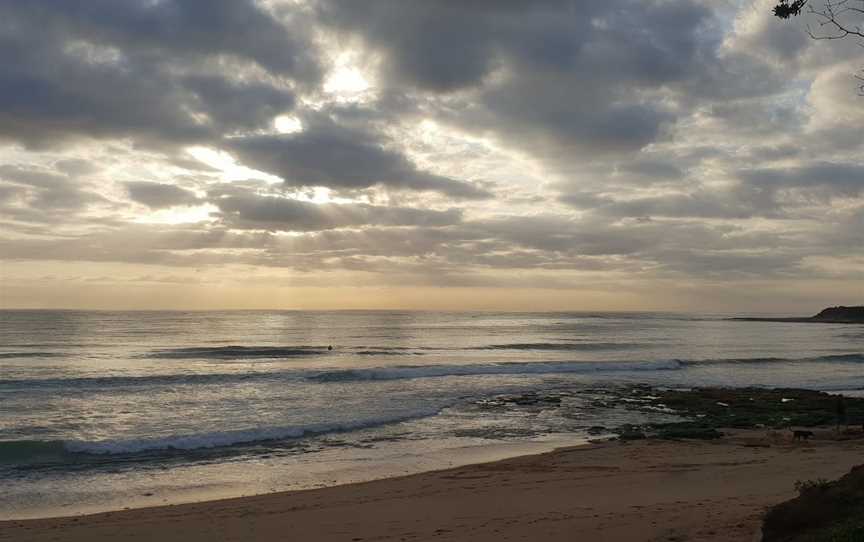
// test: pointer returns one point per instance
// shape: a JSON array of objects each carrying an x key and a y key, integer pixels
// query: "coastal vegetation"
[{"x": 822, "y": 512}]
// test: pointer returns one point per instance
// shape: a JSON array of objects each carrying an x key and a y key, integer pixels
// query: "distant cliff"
[
  {"x": 831, "y": 315},
  {"x": 841, "y": 314}
]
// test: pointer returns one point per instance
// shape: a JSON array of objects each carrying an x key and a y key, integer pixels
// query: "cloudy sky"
[{"x": 626, "y": 154}]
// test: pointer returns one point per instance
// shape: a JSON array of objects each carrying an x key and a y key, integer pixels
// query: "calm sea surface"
[{"x": 101, "y": 410}]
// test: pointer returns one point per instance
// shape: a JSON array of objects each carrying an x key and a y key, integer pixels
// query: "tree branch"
[{"x": 831, "y": 16}]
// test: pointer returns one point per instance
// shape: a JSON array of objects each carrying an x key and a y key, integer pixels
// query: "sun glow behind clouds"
[
  {"x": 322, "y": 194},
  {"x": 231, "y": 171},
  {"x": 226, "y": 163},
  {"x": 347, "y": 81},
  {"x": 286, "y": 124}
]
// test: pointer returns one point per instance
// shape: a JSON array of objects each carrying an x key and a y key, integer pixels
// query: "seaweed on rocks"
[{"x": 708, "y": 410}]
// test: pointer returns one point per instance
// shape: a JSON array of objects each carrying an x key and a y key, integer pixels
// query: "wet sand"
[{"x": 648, "y": 490}]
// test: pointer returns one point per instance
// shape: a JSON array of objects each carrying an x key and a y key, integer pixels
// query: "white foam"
[
  {"x": 416, "y": 371},
  {"x": 230, "y": 438}
]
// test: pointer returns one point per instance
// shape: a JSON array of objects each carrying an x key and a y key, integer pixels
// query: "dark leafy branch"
[
  {"x": 836, "y": 19},
  {"x": 786, "y": 9}
]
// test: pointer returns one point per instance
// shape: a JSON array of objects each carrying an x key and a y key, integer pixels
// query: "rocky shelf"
[{"x": 831, "y": 315}]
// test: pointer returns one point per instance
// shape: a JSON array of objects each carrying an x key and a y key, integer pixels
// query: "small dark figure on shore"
[
  {"x": 330, "y": 347},
  {"x": 801, "y": 435},
  {"x": 841, "y": 411}
]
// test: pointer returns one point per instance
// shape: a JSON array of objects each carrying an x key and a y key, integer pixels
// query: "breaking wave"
[
  {"x": 238, "y": 352},
  {"x": 567, "y": 367},
  {"x": 399, "y": 372},
  {"x": 831, "y": 358},
  {"x": 416, "y": 371},
  {"x": 104, "y": 382},
  {"x": 574, "y": 346},
  {"x": 24, "y": 452},
  {"x": 30, "y": 354}
]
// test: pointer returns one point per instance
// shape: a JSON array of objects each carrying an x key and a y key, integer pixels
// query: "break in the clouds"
[{"x": 624, "y": 154}]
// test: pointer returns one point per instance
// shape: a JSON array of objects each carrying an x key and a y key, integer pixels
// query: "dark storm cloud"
[
  {"x": 554, "y": 122},
  {"x": 251, "y": 211},
  {"x": 439, "y": 46},
  {"x": 160, "y": 195},
  {"x": 166, "y": 29},
  {"x": 165, "y": 74},
  {"x": 115, "y": 69},
  {"x": 239, "y": 105},
  {"x": 327, "y": 154},
  {"x": 551, "y": 76},
  {"x": 450, "y": 45},
  {"x": 50, "y": 95}
]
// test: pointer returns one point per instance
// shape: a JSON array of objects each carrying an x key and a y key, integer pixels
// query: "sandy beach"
[{"x": 615, "y": 491}]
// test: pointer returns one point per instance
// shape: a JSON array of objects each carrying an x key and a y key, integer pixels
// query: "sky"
[{"x": 684, "y": 155}]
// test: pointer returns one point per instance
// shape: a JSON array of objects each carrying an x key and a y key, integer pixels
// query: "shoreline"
[
  {"x": 649, "y": 489},
  {"x": 342, "y": 472},
  {"x": 480, "y": 455}
]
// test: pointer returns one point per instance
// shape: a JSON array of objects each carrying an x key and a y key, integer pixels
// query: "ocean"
[{"x": 103, "y": 410}]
